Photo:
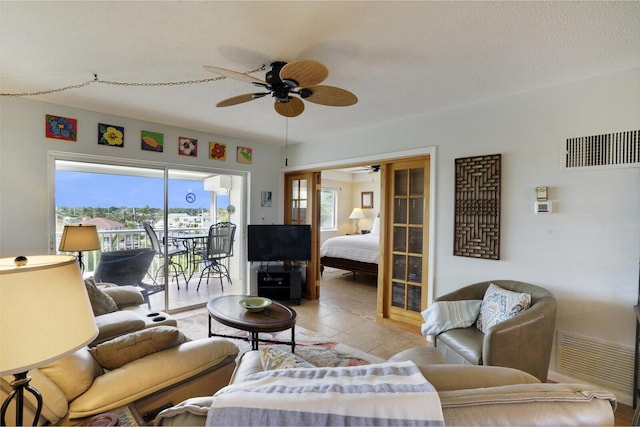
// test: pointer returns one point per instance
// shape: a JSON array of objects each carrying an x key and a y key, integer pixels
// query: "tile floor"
[{"x": 345, "y": 312}]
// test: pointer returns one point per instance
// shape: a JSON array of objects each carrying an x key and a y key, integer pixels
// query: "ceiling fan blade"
[
  {"x": 304, "y": 73},
  {"x": 293, "y": 108},
  {"x": 235, "y": 100},
  {"x": 330, "y": 95},
  {"x": 234, "y": 75}
]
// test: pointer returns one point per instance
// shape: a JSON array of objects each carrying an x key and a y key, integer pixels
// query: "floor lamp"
[
  {"x": 78, "y": 237},
  {"x": 45, "y": 314}
]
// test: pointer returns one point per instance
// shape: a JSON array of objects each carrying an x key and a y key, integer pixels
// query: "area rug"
[{"x": 310, "y": 346}]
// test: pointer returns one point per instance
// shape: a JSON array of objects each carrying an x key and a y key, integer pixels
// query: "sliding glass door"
[{"x": 178, "y": 206}]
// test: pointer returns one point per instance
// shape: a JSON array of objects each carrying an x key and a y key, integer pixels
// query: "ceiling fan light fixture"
[
  {"x": 305, "y": 93},
  {"x": 293, "y": 108},
  {"x": 300, "y": 78}
]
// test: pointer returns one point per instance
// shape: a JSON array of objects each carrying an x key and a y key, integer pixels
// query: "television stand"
[{"x": 281, "y": 283}]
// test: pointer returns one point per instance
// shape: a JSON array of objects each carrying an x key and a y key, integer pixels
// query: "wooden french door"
[
  {"x": 302, "y": 195},
  {"x": 405, "y": 248}
]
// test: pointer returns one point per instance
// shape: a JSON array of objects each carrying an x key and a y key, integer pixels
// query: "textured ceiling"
[{"x": 399, "y": 58}]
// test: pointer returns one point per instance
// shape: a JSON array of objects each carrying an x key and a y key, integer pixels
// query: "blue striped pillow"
[{"x": 444, "y": 315}]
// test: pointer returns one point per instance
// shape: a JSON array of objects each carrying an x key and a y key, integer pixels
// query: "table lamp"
[
  {"x": 357, "y": 214},
  {"x": 45, "y": 314},
  {"x": 78, "y": 237}
]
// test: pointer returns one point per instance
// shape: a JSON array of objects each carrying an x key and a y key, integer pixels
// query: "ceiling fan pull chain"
[{"x": 286, "y": 141}]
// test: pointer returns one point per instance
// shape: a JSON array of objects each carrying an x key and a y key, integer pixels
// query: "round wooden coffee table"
[{"x": 276, "y": 317}]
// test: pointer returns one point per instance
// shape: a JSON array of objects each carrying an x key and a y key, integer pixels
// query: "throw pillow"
[
  {"x": 444, "y": 315},
  {"x": 272, "y": 358},
  {"x": 121, "y": 350},
  {"x": 499, "y": 305},
  {"x": 101, "y": 303}
]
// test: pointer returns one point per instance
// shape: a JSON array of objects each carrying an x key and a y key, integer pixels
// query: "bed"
[{"x": 357, "y": 253}]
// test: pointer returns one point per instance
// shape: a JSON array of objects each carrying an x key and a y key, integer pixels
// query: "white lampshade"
[
  {"x": 45, "y": 312},
  {"x": 78, "y": 237},
  {"x": 356, "y": 213}
]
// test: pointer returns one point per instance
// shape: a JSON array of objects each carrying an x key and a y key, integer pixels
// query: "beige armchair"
[
  {"x": 78, "y": 386},
  {"x": 120, "y": 310},
  {"x": 523, "y": 342}
]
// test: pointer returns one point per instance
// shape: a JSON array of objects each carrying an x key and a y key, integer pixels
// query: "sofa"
[
  {"x": 151, "y": 369},
  {"x": 522, "y": 342},
  {"x": 468, "y": 395},
  {"x": 121, "y": 310}
]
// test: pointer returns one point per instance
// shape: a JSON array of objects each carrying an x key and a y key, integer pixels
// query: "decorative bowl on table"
[{"x": 255, "y": 304}]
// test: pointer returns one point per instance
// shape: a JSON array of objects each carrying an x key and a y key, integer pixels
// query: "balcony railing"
[{"x": 119, "y": 240}]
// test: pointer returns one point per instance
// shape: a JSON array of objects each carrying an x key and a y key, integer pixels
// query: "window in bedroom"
[{"x": 328, "y": 209}]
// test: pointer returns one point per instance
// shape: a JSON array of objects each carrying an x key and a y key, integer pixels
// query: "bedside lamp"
[
  {"x": 78, "y": 237},
  {"x": 45, "y": 314},
  {"x": 357, "y": 214}
]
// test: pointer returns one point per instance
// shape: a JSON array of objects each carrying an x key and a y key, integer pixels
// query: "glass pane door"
[
  {"x": 407, "y": 295},
  {"x": 303, "y": 193},
  {"x": 116, "y": 199},
  {"x": 298, "y": 204}
]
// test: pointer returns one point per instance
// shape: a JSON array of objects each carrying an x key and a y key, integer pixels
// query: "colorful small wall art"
[
  {"x": 244, "y": 155},
  {"x": 151, "y": 141},
  {"x": 217, "y": 151},
  {"x": 187, "y": 146},
  {"x": 110, "y": 135},
  {"x": 61, "y": 128}
]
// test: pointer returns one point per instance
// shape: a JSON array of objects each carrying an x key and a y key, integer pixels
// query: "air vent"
[
  {"x": 597, "y": 361},
  {"x": 611, "y": 150}
]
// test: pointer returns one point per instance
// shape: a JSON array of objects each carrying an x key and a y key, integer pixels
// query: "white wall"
[
  {"x": 586, "y": 252},
  {"x": 24, "y": 178}
]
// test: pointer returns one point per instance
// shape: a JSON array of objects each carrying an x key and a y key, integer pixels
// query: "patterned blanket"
[{"x": 384, "y": 394}]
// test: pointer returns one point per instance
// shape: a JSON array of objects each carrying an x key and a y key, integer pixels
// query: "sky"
[{"x": 78, "y": 189}]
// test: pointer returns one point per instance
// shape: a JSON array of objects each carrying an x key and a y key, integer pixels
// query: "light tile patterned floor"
[{"x": 346, "y": 312}]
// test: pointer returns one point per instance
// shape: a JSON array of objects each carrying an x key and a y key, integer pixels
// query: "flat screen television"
[{"x": 289, "y": 242}]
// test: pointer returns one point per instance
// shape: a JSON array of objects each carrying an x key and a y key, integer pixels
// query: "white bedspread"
[{"x": 357, "y": 247}]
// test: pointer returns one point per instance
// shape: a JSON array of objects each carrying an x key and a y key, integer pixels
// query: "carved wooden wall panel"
[{"x": 477, "y": 207}]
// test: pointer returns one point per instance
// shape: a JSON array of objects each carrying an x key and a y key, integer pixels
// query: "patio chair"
[
  {"x": 172, "y": 252},
  {"x": 219, "y": 248},
  {"x": 128, "y": 267}
]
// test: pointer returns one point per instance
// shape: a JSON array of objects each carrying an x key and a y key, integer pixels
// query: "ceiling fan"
[
  {"x": 369, "y": 169},
  {"x": 283, "y": 80}
]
